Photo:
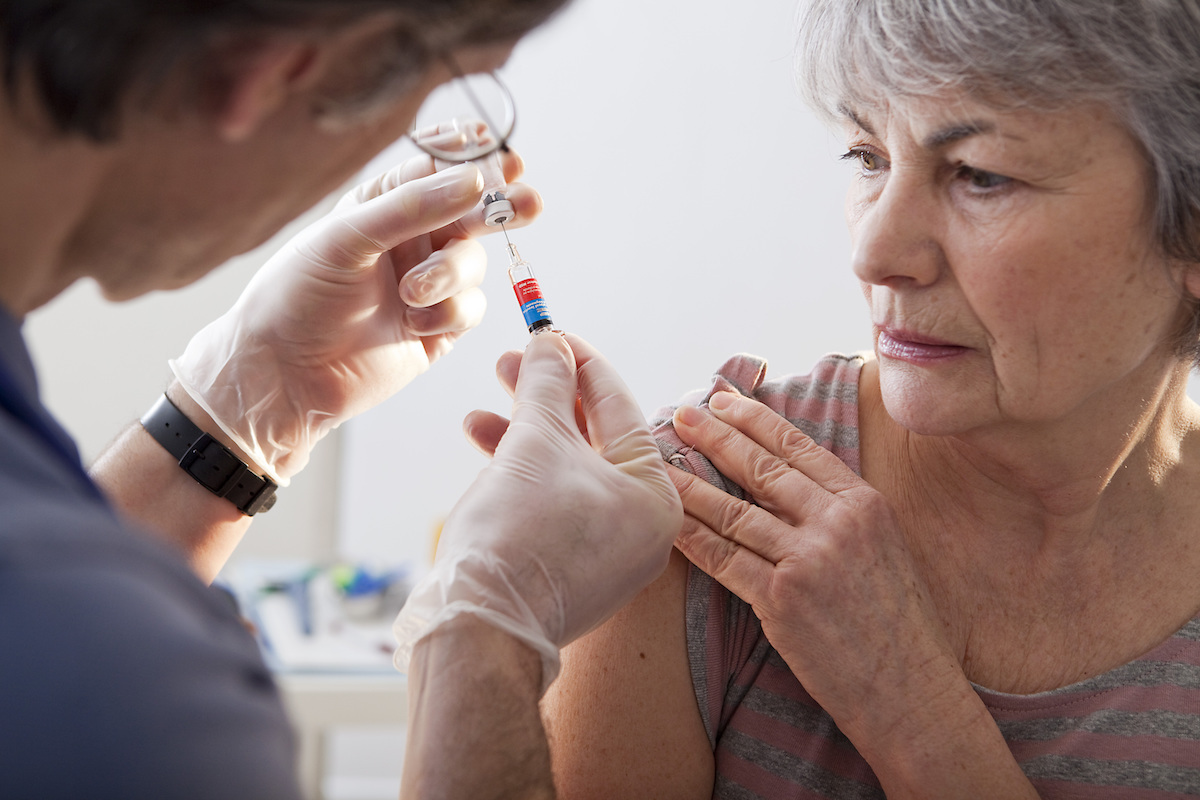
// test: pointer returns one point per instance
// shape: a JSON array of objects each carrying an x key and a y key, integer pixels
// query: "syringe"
[
  {"x": 497, "y": 211},
  {"x": 529, "y": 294}
]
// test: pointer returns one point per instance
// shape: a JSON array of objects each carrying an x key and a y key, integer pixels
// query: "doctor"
[{"x": 143, "y": 143}]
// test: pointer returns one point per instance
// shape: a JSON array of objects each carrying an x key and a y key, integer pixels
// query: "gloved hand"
[
  {"x": 562, "y": 528},
  {"x": 348, "y": 312}
]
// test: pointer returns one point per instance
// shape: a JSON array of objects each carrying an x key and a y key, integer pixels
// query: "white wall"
[{"x": 693, "y": 210}]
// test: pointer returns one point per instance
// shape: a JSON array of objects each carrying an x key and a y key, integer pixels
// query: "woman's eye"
[
  {"x": 867, "y": 161},
  {"x": 979, "y": 179}
]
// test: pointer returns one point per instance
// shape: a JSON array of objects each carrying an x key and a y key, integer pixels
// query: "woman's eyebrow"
[
  {"x": 956, "y": 132},
  {"x": 935, "y": 140},
  {"x": 853, "y": 116}
]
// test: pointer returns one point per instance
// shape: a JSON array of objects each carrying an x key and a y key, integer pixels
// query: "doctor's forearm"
[{"x": 474, "y": 728}]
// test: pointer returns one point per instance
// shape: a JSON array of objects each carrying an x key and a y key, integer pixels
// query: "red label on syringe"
[
  {"x": 529, "y": 294},
  {"x": 533, "y": 305}
]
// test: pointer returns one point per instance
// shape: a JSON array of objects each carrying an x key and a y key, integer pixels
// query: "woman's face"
[{"x": 1008, "y": 261}]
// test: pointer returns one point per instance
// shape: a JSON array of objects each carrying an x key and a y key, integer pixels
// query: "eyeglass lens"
[{"x": 465, "y": 119}]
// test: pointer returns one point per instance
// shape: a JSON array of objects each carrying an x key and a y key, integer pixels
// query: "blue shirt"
[{"x": 121, "y": 674}]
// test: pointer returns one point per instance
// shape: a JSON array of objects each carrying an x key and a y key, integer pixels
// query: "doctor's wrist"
[
  {"x": 215, "y": 461},
  {"x": 205, "y": 422},
  {"x": 467, "y": 642}
]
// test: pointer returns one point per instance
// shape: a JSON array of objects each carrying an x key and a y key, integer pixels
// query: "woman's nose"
[{"x": 894, "y": 235}]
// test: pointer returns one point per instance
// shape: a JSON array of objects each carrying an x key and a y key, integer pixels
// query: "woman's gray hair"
[{"x": 1140, "y": 57}]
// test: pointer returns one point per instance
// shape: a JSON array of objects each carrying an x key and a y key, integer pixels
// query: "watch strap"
[{"x": 210, "y": 463}]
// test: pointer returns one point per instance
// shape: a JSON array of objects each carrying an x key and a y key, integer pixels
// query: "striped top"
[{"x": 1132, "y": 733}]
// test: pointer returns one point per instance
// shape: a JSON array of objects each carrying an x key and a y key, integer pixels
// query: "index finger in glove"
[
  {"x": 418, "y": 167},
  {"x": 355, "y": 236},
  {"x": 507, "y": 368},
  {"x": 527, "y": 203},
  {"x": 483, "y": 429},
  {"x": 389, "y": 180}
]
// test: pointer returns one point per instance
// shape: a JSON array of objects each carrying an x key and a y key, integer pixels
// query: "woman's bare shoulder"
[{"x": 622, "y": 718}]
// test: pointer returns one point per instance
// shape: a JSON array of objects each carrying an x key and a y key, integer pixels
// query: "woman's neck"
[
  {"x": 1057, "y": 552},
  {"x": 1063, "y": 478}
]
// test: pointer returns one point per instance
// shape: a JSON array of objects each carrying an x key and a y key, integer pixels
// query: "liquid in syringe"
[{"x": 529, "y": 293}]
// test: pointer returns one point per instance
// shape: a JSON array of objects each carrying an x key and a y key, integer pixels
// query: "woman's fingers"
[
  {"x": 785, "y": 440},
  {"x": 719, "y": 538},
  {"x": 767, "y": 478},
  {"x": 784, "y": 470},
  {"x": 738, "y": 569}
]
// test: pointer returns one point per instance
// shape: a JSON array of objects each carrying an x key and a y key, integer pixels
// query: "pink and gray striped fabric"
[{"x": 1132, "y": 733}]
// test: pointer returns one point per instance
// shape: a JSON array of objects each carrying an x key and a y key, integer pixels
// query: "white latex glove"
[
  {"x": 348, "y": 312},
  {"x": 560, "y": 530}
]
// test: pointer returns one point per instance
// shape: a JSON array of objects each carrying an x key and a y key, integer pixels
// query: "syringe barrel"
[{"x": 529, "y": 297}]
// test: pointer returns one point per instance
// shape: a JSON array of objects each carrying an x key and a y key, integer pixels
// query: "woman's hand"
[{"x": 821, "y": 558}]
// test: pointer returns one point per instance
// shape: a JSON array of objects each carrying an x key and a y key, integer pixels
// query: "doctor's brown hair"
[{"x": 81, "y": 59}]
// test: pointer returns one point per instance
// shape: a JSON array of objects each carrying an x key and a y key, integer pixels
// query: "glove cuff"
[
  {"x": 455, "y": 587},
  {"x": 252, "y": 450}
]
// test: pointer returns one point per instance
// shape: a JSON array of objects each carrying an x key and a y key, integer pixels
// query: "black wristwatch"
[{"x": 211, "y": 463}]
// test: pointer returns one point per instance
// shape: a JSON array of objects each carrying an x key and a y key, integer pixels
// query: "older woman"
[{"x": 966, "y": 564}]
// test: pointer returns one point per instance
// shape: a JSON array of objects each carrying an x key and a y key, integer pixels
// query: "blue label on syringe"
[{"x": 533, "y": 305}]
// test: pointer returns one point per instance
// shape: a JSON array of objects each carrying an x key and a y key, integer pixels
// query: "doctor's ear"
[
  {"x": 253, "y": 78},
  {"x": 250, "y": 77}
]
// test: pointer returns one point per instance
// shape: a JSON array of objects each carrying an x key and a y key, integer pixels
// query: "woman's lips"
[{"x": 914, "y": 348}]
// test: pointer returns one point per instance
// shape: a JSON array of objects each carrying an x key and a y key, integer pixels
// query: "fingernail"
[
  {"x": 689, "y": 416},
  {"x": 721, "y": 400},
  {"x": 416, "y": 288}
]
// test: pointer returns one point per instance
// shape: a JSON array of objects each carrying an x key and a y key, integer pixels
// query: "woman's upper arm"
[{"x": 622, "y": 717}]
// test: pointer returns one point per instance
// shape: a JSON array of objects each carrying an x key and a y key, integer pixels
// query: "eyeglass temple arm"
[{"x": 458, "y": 75}]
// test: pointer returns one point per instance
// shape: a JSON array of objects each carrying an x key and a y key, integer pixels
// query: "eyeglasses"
[{"x": 468, "y": 118}]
